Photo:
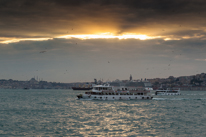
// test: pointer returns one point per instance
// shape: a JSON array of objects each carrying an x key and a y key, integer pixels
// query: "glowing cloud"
[
  {"x": 13, "y": 40},
  {"x": 110, "y": 36},
  {"x": 107, "y": 35}
]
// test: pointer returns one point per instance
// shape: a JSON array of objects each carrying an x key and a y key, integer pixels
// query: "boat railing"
[
  {"x": 116, "y": 93},
  {"x": 174, "y": 89}
]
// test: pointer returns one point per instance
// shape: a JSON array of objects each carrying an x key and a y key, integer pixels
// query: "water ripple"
[{"x": 58, "y": 113}]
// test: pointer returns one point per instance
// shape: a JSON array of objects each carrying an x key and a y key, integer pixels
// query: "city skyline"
[
  {"x": 130, "y": 78},
  {"x": 74, "y": 40}
]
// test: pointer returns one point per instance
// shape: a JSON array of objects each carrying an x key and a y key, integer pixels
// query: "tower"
[{"x": 130, "y": 78}]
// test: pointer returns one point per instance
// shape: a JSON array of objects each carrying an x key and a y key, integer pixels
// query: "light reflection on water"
[{"x": 58, "y": 113}]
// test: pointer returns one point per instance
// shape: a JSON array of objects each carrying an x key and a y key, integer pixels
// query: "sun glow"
[{"x": 109, "y": 36}]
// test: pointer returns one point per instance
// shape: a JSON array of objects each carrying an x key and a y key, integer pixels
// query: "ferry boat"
[
  {"x": 167, "y": 91},
  {"x": 107, "y": 92}
]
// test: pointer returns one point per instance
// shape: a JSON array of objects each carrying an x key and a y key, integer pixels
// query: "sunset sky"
[{"x": 79, "y": 40}]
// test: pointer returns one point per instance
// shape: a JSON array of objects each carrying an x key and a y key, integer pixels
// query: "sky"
[{"x": 79, "y": 40}]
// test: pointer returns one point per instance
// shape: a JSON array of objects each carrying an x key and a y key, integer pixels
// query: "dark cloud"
[
  {"x": 53, "y": 17},
  {"x": 89, "y": 58},
  {"x": 178, "y": 19},
  {"x": 158, "y": 7}
]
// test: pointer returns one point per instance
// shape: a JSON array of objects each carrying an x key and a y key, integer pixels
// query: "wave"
[{"x": 194, "y": 94}]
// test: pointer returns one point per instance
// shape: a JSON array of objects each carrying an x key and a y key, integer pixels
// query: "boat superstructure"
[
  {"x": 167, "y": 91},
  {"x": 86, "y": 86},
  {"x": 107, "y": 92}
]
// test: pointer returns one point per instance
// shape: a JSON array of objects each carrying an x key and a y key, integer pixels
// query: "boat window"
[
  {"x": 131, "y": 93},
  {"x": 120, "y": 93},
  {"x": 101, "y": 97},
  {"x": 112, "y": 93},
  {"x": 141, "y": 93},
  {"x": 117, "y": 94},
  {"x": 106, "y": 93},
  {"x": 109, "y": 93},
  {"x": 113, "y": 97},
  {"x": 127, "y": 93},
  {"x": 104, "y": 88},
  {"x": 135, "y": 93},
  {"x": 142, "y": 97},
  {"x": 125, "y": 88}
]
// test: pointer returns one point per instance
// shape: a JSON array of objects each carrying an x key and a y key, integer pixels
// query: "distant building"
[
  {"x": 130, "y": 78},
  {"x": 33, "y": 81}
]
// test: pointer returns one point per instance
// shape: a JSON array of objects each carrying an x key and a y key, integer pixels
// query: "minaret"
[{"x": 130, "y": 78}]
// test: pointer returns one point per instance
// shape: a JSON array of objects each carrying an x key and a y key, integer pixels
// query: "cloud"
[
  {"x": 200, "y": 59},
  {"x": 174, "y": 32},
  {"x": 52, "y": 18},
  {"x": 88, "y": 59}
]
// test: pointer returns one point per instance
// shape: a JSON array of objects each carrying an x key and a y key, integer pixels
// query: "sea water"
[{"x": 58, "y": 113}]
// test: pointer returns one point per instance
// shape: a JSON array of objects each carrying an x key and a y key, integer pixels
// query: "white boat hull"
[
  {"x": 168, "y": 94},
  {"x": 115, "y": 97}
]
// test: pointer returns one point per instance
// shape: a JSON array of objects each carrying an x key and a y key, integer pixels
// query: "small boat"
[
  {"x": 107, "y": 92},
  {"x": 167, "y": 91}
]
